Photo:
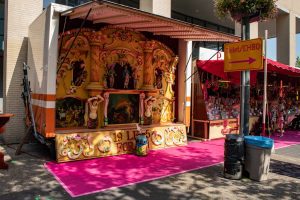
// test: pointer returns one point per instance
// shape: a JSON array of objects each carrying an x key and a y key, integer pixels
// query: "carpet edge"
[
  {"x": 147, "y": 180},
  {"x": 60, "y": 181}
]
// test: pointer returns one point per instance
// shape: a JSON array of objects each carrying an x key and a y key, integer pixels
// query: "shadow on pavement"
[
  {"x": 285, "y": 168},
  {"x": 28, "y": 179}
]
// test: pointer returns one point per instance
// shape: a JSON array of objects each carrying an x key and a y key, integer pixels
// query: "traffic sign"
[{"x": 244, "y": 55}]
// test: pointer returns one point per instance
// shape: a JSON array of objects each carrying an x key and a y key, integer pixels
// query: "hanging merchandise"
[
  {"x": 204, "y": 91},
  {"x": 281, "y": 89}
]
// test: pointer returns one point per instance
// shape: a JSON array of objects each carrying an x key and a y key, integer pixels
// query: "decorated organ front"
[{"x": 109, "y": 79}]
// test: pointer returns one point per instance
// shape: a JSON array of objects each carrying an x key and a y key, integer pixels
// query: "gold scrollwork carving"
[{"x": 105, "y": 143}]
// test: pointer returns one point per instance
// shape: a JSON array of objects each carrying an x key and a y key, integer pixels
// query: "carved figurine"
[
  {"x": 111, "y": 75},
  {"x": 79, "y": 73},
  {"x": 93, "y": 104},
  {"x": 158, "y": 79},
  {"x": 126, "y": 77},
  {"x": 135, "y": 78},
  {"x": 148, "y": 109},
  {"x": 104, "y": 82},
  {"x": 173, "y": 64}
]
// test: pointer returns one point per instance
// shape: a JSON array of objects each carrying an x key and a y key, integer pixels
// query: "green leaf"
[{"x": 246, "y": 8}]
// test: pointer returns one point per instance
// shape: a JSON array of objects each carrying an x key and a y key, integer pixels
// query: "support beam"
[
  {"x": 254, "y": 30},
  {"x": 182, "y": 52},
  {"x": 157, "y": 7},
  {"x": 188, "y": 83},
  {"x": 286, "y": 38},
  {"x": 237, "y": 28}
]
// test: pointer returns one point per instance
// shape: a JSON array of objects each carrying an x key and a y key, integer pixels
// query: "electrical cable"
[{"x": 204, "y": 64}]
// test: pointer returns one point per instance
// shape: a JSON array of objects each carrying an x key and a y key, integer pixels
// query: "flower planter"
[
  {"x": 253, "y": 10},
  {"x": 252, "y": 18}
]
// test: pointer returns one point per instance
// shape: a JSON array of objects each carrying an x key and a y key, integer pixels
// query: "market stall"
[{"x": 216, "y": 99}]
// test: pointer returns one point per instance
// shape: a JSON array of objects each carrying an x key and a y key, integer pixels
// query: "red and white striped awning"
[{"x": 131, "y": 18}]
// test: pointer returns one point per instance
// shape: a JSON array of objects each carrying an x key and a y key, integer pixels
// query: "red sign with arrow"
[{"x": 249, "y": 61}]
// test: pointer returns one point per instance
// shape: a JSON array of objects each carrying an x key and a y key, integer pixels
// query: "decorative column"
[
  {"x": 95, "y": 82},
  {"x": 182, "y": 51},
  {"x": 148, "y": 78},
  {"x": 142, "y": 97},
  {"x": 174, "y": 106},
  {"x": 106, "y": 101},
  {"x": 97, "y": 69},
  {"x": 170, "y": 77}
]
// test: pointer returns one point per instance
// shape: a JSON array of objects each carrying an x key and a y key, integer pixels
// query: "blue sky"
[
  {"x": 271, "y": 51},
  {"x": 271, "y": 48}
]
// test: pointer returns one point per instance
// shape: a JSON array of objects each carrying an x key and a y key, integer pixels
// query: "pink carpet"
[
  {"x": 91, "y": 176},
  {"x": 289, "y": 138}
]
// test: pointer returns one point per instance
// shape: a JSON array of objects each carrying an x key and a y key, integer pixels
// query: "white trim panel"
[
  {"x": 43, "y": 104},
  {"x": 188, "y": 104}
]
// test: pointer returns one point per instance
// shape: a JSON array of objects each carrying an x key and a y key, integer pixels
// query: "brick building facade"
[{"x": 18, "y": 16}]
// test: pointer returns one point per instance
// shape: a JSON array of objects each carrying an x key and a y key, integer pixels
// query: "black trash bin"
[{"x": 233, "y": 156}]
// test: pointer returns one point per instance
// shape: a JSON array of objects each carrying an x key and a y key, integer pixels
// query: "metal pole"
[
  {"x": 265, "y": 86},
  {"x": 245, "y": 86}
]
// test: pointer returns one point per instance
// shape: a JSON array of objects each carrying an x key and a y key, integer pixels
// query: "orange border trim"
[
  {"x": 44, "y": 97},
  {"x": 45, "y": 120}
]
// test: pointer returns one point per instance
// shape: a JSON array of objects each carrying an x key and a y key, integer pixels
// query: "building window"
[
  {"x": 131, "y": 3},
  {"x": 201, "y": 22},
  {"x": 210, "y": 45}
]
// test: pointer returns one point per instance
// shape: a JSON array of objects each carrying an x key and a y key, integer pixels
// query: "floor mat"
[{"x": 91, "y": 176}]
